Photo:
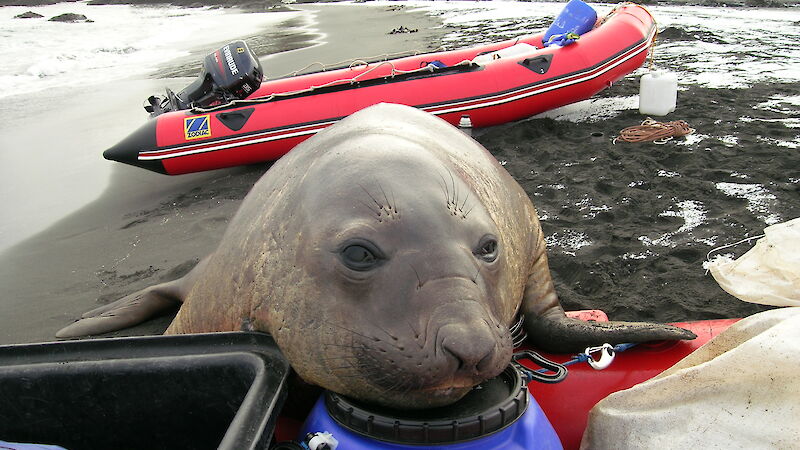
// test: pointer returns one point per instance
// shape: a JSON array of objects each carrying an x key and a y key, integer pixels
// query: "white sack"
[
  {"x": 769, "y": 273},
  {"x": 740, "y": 390}
]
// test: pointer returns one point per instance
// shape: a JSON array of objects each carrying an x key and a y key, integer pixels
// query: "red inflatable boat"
[{"x": 232, "y": 120}]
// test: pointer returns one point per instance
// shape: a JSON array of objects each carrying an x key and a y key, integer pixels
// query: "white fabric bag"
[
  {"x": 739, "y": 390},
  {"x": 769, "y": 273}
]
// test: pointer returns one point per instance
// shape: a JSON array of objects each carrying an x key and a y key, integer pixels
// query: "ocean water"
[
  {"x": 728, "y": 47},
  {"x": 70, "y": 90},
  {"x": 122, "y": 41}
]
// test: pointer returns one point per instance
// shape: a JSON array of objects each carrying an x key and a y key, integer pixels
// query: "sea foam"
[{"x": 121, "y": 41}]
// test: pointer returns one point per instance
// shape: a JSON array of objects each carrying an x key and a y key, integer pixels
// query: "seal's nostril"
[{"x": 457, "y": 358}]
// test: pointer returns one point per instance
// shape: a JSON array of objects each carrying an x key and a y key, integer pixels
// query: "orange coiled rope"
[{"x": 651, "y": 130}]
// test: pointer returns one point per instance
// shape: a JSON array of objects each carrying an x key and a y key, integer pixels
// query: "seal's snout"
[{"x": 473, "y": 348}]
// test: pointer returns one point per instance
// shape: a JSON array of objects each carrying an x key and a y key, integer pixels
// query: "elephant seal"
[{"x": 388, "y": 256}]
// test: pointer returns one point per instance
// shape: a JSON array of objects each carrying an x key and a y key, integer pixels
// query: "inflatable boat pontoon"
[{"x": 228, "y": 117}]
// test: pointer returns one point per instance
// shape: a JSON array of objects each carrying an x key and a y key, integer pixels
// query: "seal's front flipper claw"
[
  {"x": 126, "y": 312},
  {"x": 135, "y": 308},
  {"x": 565, "y": 335}
]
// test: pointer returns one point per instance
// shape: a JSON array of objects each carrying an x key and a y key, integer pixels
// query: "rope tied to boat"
[
  {"x": 657, "y": 132},
  {"x": 652, "y": 48},
  {"x": 598, "y": 358},
  {"x": 349, "y": 62},
  {"x": 343, "y": 81}
]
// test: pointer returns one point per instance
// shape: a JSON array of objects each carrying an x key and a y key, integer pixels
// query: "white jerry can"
[{"x": 658, "y": 93}]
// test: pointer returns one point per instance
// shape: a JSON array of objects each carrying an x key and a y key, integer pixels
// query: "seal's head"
[{"x": 401, "y": 303}]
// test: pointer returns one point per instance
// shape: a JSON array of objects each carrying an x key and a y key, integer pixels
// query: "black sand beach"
[{"x": 619, "y": 198}]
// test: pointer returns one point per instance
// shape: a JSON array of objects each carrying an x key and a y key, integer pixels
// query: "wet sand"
[
  {"x": 147, "y": 227},
  {"x": 621, "y": 217}
]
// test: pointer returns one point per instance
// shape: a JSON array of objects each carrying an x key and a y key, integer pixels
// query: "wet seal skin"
[{"x": 388, "y": 256}]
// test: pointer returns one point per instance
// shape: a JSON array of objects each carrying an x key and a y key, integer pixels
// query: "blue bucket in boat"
[
  {"x": 497, "y": 414},
  {"x": 576, "y": 18}
]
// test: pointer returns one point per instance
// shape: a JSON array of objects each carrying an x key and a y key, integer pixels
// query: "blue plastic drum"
[
  {"x": 498, "y": 414},
  {"x": 576, "y": 18}
]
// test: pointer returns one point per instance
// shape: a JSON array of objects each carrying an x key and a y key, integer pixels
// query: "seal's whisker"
[
  {"x": 499, "y": 333},
  {"x": 416, "y": 333},
  {"x": 372, "y": 338},
  {"x": 335, "y": 358},
  {"x": 464, "y": 216},
  {"x": 385, "y": 197},
  {"x": 391, "y": 388},
  {"x": 379, "y": 204},
  {"x": 419, "y": 280},
  {"x": 387, "y": 333},
  {"x": 477, "y": 274},
  {"x": 446, "y": 190},
  {"x": 360, "y": 347},
  {"x": 374, "y": 211},
  {"x": 453, "y": 182},
  {"x": 375, "y": 377},
  {"x": 344, "y": 367},
  {"x": 355, "y": 375},
  {"x": 343, "y": 345}
]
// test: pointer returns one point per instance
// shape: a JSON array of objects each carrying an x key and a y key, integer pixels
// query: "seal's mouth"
[
  {"x": 456, "y": 382},
  {"x": 426, "y": 398}
]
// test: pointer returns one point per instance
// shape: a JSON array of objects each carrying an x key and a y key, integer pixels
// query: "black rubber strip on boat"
[{"x": 127, "y": 150}]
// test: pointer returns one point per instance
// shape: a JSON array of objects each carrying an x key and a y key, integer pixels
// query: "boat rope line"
[
  {"x": 598, "y": 358},
  {"x": 459, "y": 105},
  {"x": 349, "y": 62},
  {"x": 344, "y": 82}
]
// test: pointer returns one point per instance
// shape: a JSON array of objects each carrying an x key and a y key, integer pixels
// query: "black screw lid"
[{"x": 489, "y": 407}]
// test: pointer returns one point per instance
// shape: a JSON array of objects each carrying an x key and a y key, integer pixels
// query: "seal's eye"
[
  {"x": 359, "y": 257},
  {"x": 487, "y": 248}
]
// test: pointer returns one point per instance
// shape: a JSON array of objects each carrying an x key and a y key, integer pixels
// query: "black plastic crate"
[{"x": 217, "y": 390}]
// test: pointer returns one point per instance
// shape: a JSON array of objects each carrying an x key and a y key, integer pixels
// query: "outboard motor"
[{"x": 231, "y": 73}]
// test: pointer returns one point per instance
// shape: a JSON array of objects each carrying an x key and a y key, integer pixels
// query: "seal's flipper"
[
  {"x": 125, "y": 312},
  {"x": 550, "y": 329},
  {"x": 565, "y": 335},
  {"x": 132, "y": 309}
]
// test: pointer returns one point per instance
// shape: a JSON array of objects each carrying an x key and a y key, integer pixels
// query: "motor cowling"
[{"x": 231, "y": 73}]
